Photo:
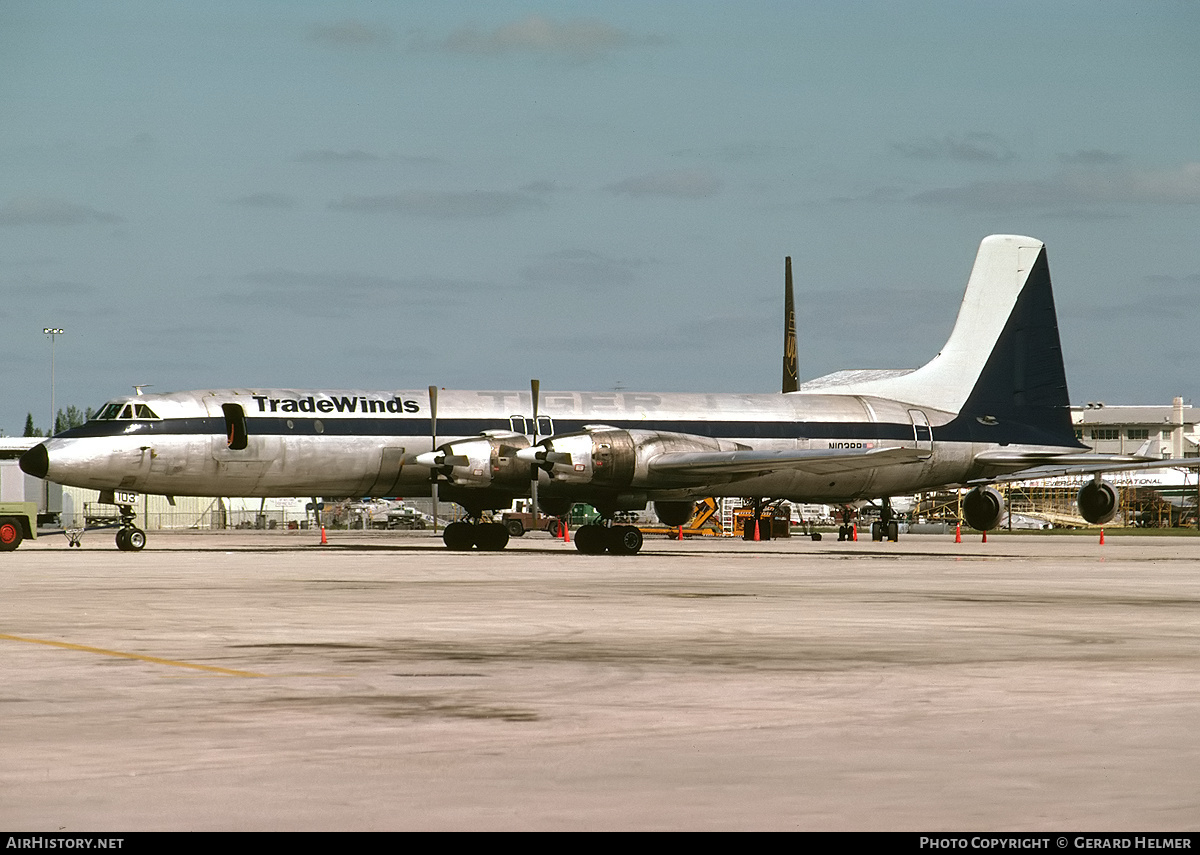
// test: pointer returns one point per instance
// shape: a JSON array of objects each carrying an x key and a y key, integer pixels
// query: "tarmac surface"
[{"x": 259, "y": 681}]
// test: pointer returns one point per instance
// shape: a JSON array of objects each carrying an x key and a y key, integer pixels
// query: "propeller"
[
  {"x": 535, "y": 389},
  {"x": 433, "y": 447}
]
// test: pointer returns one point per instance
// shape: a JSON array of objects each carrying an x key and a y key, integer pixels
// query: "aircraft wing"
[
  {"x": 1083, "y": 464},
  {"x": 821, "y": 461}
]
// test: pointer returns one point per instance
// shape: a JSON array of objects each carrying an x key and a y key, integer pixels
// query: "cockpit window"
[{"x": 120, "y": 410}]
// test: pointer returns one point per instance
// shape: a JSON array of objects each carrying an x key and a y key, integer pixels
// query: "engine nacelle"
[
  {"x": 982, "y": 508},
  {"x": 487, "y": 460},
  {"x": 597, "y": 456},
  {"x": 1097, "y": 501},
  {"x": 674, "y": 513},
  {"x": 613, "y": 458}
]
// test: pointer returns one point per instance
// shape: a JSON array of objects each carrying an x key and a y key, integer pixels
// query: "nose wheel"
[{"x": 130, "y": 538}]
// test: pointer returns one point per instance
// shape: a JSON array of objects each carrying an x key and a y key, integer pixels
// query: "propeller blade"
[
  {"x": 535, "y": 388},
  {"x": 540, "y": 457},
  {"x": 433, "y": 447}
]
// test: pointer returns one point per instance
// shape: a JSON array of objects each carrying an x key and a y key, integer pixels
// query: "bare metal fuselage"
[{"x": 361, "y": 443}]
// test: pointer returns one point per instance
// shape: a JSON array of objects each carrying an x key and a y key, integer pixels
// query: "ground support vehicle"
[{"x": 18, "y": 521}]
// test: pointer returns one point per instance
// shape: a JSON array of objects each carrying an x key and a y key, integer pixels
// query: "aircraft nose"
[{"x": 36, "y": 461}]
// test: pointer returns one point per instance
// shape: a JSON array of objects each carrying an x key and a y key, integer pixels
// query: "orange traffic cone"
[
  {"x": 756, "y": 528},
  {"x": 1101, "y": 537},
  {"x": 566, "y": 532},
  {"x": 856, "y": 532},
  {"x": 324, "y": 539},
  {"x": 985, "y": 537},
  {"x": 958, "y": 533},
  {"x": 681, "y": 534}
]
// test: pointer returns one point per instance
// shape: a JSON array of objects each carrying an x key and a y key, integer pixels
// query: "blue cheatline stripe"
[
  {"x": 962, "y": 428},
  {"x": 450, "y": 428}
]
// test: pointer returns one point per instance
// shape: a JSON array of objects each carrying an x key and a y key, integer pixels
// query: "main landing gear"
[
  {"x": 598, "y": 538},
  {"x": 887, "y": 528},
  {"x": 487, "y": 536},
  {"x": 130, "y": 538}
]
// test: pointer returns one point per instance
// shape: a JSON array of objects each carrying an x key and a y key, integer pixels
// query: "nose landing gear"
[{"x": 130, "y": 538}]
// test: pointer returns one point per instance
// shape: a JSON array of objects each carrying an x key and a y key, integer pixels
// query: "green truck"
[{"x": 18, "y": 520}]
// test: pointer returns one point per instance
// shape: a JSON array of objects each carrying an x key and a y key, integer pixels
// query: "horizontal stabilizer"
[{"x": 1103, "y": 463}]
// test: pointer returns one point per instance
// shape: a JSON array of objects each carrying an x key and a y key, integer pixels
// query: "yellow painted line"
[{"x": 120, "y": 655}]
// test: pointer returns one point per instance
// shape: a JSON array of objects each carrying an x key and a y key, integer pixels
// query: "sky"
[{"x": 388, "y": 195}]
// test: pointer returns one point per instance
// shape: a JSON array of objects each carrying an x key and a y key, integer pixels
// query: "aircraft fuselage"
[{"x": 361, "y": 443}]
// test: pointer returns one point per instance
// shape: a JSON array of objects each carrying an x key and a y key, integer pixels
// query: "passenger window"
[
  {"x": 516, "y": 424},
  {"x": 108, "y": 412},
  {"x": 126, "y": 412},
  {"x": 545, "y": 426},
  {"x": 144, "y": 412}
]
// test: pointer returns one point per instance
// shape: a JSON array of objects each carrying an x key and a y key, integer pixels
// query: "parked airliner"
[{"x": 991, "y": 403}]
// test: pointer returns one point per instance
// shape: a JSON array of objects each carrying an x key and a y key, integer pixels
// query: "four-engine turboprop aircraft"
[{"x": 992, "y": 402}]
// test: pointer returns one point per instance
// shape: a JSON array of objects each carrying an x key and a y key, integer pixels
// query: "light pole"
[{"x": 53, "y": 332}]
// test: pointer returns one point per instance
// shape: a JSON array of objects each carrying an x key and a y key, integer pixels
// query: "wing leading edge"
[{"x": 820, "y": 462}]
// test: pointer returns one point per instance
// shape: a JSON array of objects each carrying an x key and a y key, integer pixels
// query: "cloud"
[
  {"x": 1183, "y": 286},
  {"x": 581, "y": 40},
  {"x": 542, "y": 188},
  {"x": 878, "y": 195},
  {"x": 971, "y": 148},
  {"x": 342, "y": 294},
  {"x": 679, "y": 183},
  {"x": 448, "y": 206},
  {"x": 1091, "y": 157},
  {"x": 34, "y": 211},
  {"x": 32, "y": 289},
  {"x": 351, "y": 34},
  {"x": 265, "y": 200},
  {"x": 1076, "y": 188},
  {"x": 581, "y": 268},
  {"x": 744, "y": 152},
  {"x": 429, "y": 289},
  {"x": 330, "y": 156}
]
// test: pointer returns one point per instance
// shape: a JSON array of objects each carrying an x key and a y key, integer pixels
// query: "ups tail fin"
[{"x": 791, "y": 379}]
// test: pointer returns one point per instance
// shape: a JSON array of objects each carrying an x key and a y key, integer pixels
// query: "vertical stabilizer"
[
  {"x": 1003, "y": 361},
  {"x": 791, "y": 380}
]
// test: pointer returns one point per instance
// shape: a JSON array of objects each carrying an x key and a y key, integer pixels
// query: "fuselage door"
[
  {"x": 922, "y": 432},
  {"x": 238, "y": 440}
]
